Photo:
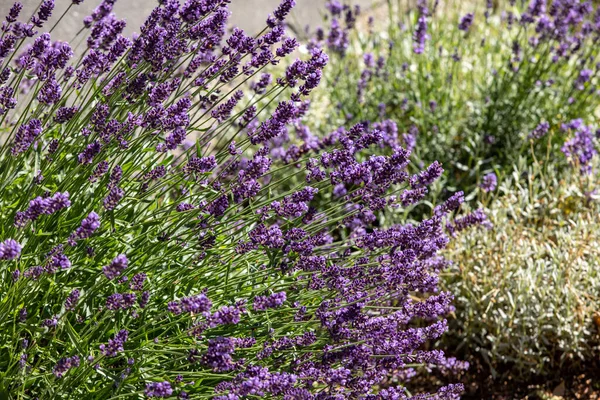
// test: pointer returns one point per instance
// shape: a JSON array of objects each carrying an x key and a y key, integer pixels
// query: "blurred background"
[{"x": 246, "y": 14}]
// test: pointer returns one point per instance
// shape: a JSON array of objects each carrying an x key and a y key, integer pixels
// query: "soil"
[
  {"x": 567, "y": 384},
  {"x": 584, "y": 386},
  {"x": 582, "y": 383}
]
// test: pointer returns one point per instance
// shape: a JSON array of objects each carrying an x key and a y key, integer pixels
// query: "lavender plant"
[
  {"x": 465, "y": 86},
  {"x": 153, "y": 245},
  {"x": 483, "y": 92}
]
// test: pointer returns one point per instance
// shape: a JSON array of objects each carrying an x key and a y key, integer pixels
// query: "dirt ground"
[{"x": 583, "y": 384}]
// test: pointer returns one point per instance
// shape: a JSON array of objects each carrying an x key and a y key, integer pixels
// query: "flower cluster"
[
  {"x": 116, "y": 266},
  {"x": 489, "y": 182},
  {"x": 10, "y": 249},
  {"x": 581, "y": 148},
  {"x": 65, "y": 364},
  {"x": 158, "y": 389},
  {"x": 87, "y": 228},
  {"x": 115, "y": 345},
  {"x": 42, "y": 205}
]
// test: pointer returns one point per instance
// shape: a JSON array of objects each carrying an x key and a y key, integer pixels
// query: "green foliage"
[{"x": 490, "y": 85}]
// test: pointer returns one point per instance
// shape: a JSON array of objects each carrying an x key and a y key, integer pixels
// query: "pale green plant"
[{"x": 527, "y": 291}]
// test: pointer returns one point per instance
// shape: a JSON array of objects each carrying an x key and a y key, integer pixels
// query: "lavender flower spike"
[
  {"x": 115, "y": 345},
  {"x": 465, "y": 22},
  {"x": 26, "y": 135},
  {"x": 489, "y": 182},
  {"x": 158, "y": 389},
  {"x": 10, "y": 249},
  {"x": 116, "y": 267},
  {"x": 87, "y": 228},
  {"x": 540, "y": 131},
  {"x": 420, "y": 35},
  {"x": 64, "y": 365},
  {"x": 275, "y": 300}
]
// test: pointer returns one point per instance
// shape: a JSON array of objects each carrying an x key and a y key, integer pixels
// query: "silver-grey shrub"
[{"x": 527, "y": 291}]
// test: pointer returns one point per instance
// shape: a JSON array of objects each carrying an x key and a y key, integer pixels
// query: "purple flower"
[
  {"x": 334, "y": 7},
  {"x": 196, "y": 304},
  {"x": 200, "y": 165},
  {"x": 71, "y": 301},
  {"x": 338, "y": 38},
  {"x": 453, "y": 203},
  {"x": 87, "y": 156},
  {"x": 226, "y": 315},
  {"x": 580, "y": 149},
  {"x": 162, "y": 91},
  {"x": 144, "y": 298},
  {"x": 420, "y": 36},
  {"x": 115, "y": 345},
  {"x": 44, "y": 12},
  {"x": 409, "y": 197},
  {"x": 50, "y": 92},
  {"x": 42, "y": 205},
  {"x": 274, "y": 300},
  {"x": 23, "y": 361},
  {"x": 172, "y": 140},
  {"x": 99, "y": 171},
  {"x": 218, "y": 356},
  {"x": 158, "y": 389},
  {"x": 87, "y": 228},
  {"x": 219, "y": 206},
  {"x": 56, "y": 260},
  {"x": 584, "y": 76},
  {"x": 34, "y": 272},
  {"x": 282, "y": 11},
  {"x": 465, "y": 22},
  {"x": 184, "y": 207},
  {"x": 65, "y": 114},
  {"x": 536, "y": 8},
  {"x": 410, "y": 138},
  {"x": 10, "y": 249},
  {"x": 540, "y": 131},
  {"x": 116, "y": 267},
  {"x": 261, "y": 85},
  {"x": 23, "y": 314},
  {"x": 287, "y": 47},
  {"x": 7, "y": 101},
  {"x": 427, "y": 177},
  {"x": 14, "y": 12},
  {"x": 270, "y": 237},
  {"x": 119, "y": 301},
  {"x": 489, "y": 182},
  {"x": 65, "y": 364},
  {"x": 275, "y": 125},
  {"x": 57, "y": 202},
  {"x": 223, "y": 110},
  {"x": 137, "y": 282},
  {"x": 113, "y": 198},
  {"x": 295, "y": 205},
  {"x": 26, "y": 135},
  {"x": 432, "y": 105},
  {"x": 50, "y": 322},
  {"x": 475, "y": 218}
]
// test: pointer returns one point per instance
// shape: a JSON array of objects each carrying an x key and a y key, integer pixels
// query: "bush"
[
  {"x": 137, "y": 263},
  {"x": 527, "y": 290},
  {"x": 464, "y": 86}
]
